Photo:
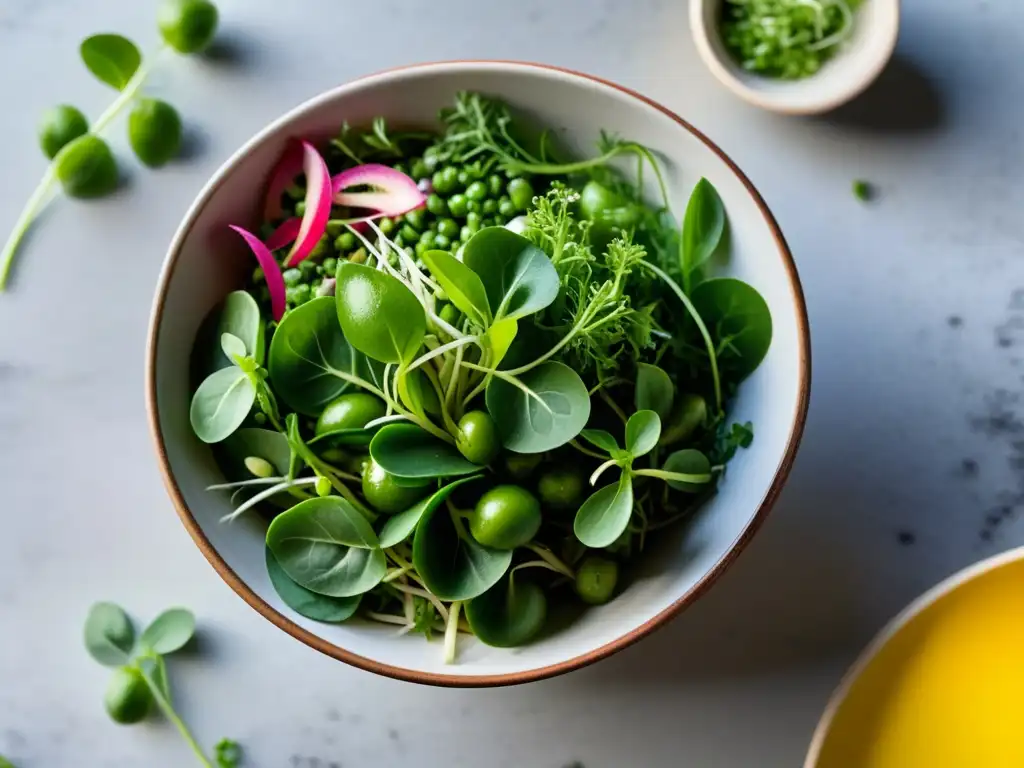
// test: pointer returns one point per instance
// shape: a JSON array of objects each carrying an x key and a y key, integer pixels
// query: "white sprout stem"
[
  {"x": 451, "y": 632},
  {"x": 682, "y": 477},
  {"x": 443, "y": 349},
  {"x": 266, "y": 495},
  {"x": 379, "y": 422},
  {"x": 244, "y": 483},
  {"x": 393, "y": 574},
  {"x": 551, "y": 560},
  {"x": 386, "y": 618},
  {"x": 426, "y": 596},
  {"x": 601, "y": 469},
  {"x": 408, "y": 607},
  {"x": 453, "y": 379}
]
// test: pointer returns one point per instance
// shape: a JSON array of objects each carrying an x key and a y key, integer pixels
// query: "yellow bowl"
[{"x": 942, "y": 686}]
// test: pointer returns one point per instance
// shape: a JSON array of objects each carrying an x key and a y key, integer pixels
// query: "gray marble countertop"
[{"x": 910, "y": 467}]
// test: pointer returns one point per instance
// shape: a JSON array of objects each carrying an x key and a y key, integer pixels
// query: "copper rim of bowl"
[
  {"x": 512, "y": 678},
  {"x": 892, "y": 628}
]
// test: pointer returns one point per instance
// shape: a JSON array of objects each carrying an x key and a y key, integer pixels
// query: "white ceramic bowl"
[
  {"x": 845, "y": 75},
  {"x": 206, "y": 261}
]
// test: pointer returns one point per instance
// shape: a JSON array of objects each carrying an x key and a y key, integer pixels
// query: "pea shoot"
[
  {"x": 139, "y": 681},
  {"x": 786, "y": 39},
  {"x": 81, "y": 161},
  {"x": 487, "y": 400}
]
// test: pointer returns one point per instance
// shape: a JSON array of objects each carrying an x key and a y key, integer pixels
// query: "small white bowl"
[
  {"x": 852, "y": 68},
  {"x": 205, "y": 262}
]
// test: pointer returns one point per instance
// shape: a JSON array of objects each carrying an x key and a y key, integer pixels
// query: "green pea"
[
  {"x": 466, "y": 232},
  {"x": 188, "y": 26},
  {"x": 430, "y": 159},
  {"x": 436, "y": 205},
  {"x": 561, "y": 489},
  {"x": 358, "y": 256},
  {"x": 457, "y": 205},
  {"x": 477, "y": 438},
  {"x": 298, "y": 294},
  {"x": 463, "y": 178},
  {"x": 257, "y": 275},
  {"x": 387, "y": 226},
  {"x": 489, "y": 221},
  {"x": 415, "y": 218},
  {"x": 448, "y": 228},
  {"x": 408, "y": 234},
  {"x": 490, "y": 207},
  {"x": 521, "y": 465},
  {"x": 476, "y": 191},
  {"x": 596, "y": 578},
  {"x": 292, "y": 276},
  {"x": 419, "y": 170},
  {"x": 427, "y": 237},
  {"x": 154, "y": 132},
  {"x": 473, "y": 207},
  {"x": 86, "y": 167},
  {"x": 495, "y": 185},
  {"x": 474, "y": 220},
  {"x": 450, "y": 314},
  {"x": 399, "y": 241},
  {"x": 307, "y": 268},
  {"x": 384, "y": 494},
  {"x": 442, "y": 242},
  {"x": 128, "y": 698},
  {"x": 300, "y": 208},
  {"x": 422, "y": 247},
  {"x": 352, "y": 410},
  {"x": 520, "y": 191},
  {"x": 60, "y": 126},
  {"x": 445, "y": 181},
  {"x": 505, "y": 517},
  {"x": 346, "y": 242},
  {"x": 330, "y": 265},
  {"x": 506, "y": 208}
]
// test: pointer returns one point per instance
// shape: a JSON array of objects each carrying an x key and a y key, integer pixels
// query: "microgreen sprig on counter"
[
  {"x": 82, "y": 161},
  {"x": 140, "y": 677}
]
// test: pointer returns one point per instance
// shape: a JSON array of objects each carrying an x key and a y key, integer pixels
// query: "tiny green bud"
[
  {"x": 323, "y": 486},
  {"x": 259, "y": 467}
]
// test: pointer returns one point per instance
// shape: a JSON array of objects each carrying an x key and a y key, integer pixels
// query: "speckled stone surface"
[{"x": 911, "y": 465}]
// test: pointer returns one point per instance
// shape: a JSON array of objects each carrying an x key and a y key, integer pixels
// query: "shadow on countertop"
[{"x": 902, "y": 100}]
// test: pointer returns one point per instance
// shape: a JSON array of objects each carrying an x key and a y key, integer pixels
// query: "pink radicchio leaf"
[
  {"x": 318, "y": 205},
  {"x": 392, "y": 194},
  {"x": 271, "y": 271},
  {"x": 287, "y": 168},
  {"x": 284, "y": 234}
]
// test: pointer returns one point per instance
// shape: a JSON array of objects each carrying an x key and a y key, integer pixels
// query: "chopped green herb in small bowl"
[
  {"x": 520, "y": 369},
  {"x": 795, "y": 56}
]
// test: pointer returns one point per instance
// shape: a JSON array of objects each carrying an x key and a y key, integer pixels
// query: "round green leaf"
[
  {"x": 326, "y": 546},
  {"x": 405, "y": 450},
  {"x": 398, "y": 528},
  {"x": 740, "y": 323},
  {"x": 509, "y": 614},
  {"x": 549, "y": 408},
  {"x": 221, "y": 404},
  {"x": 500, "y": 337},
  {"x": 602, "y": 439},
  {"x": 463, "y": 285},
  {"x": 452, "y": 565},
  {"x": 379, "y": 315},
  {"x": 239, "y": 315},
  {"x": 109, "y": 635},
  {"x": 688, "y": 462},
  {"x": 113, "y": 59},
  {"x": 654, "y": 390},
  {"x": 307, "y": 603},
  {"x": 265, "y": 444},
  {"x": 642, "y": 432},
  {"x": 307, "y": 350},
  {"x": 605, "y": 515},
  {"x": 518, "y": 277},
  {"x": 169, "y": 631},
  {"x": 232, "y": 346}
]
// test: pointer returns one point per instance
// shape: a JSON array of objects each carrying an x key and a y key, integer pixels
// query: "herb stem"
[
  {"x": 586, "y": 451},
  {"x": 451, "y": 631},
  {"x": 168, "y": 710},
  {"x": 551, "y": 560},
  {"x": 708, "y": 343}
]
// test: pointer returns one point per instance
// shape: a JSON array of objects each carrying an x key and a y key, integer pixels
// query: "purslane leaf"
[{"x": 113, "y": 59}]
